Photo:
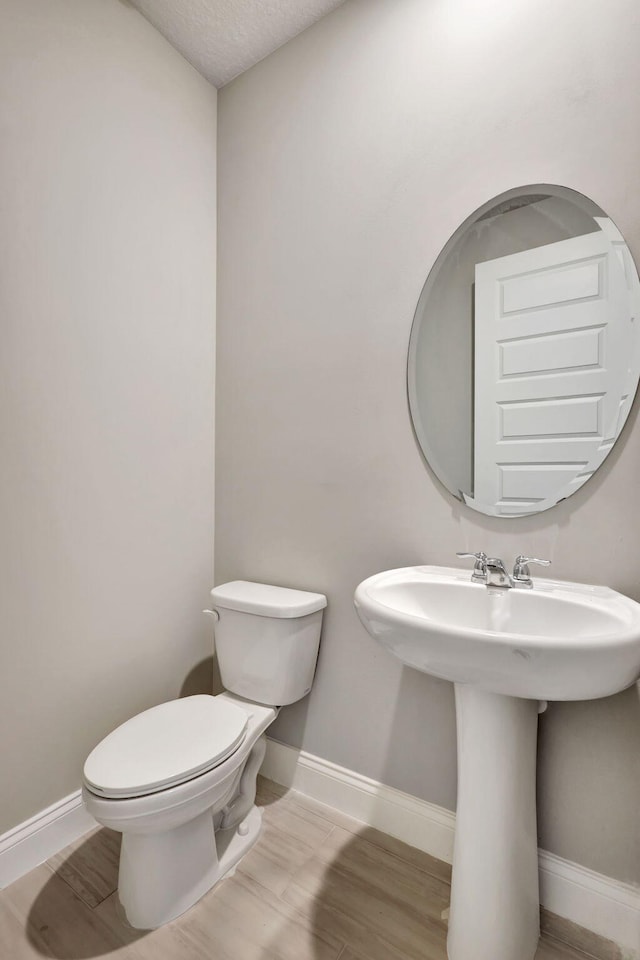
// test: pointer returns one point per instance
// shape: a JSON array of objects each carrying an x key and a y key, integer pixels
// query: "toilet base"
[{"x": 164, "y": 874}]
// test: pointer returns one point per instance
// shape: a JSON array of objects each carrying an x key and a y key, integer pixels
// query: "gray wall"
[
  {"x": 346, "y": 160},
  {"x": 107, "y": 300}
]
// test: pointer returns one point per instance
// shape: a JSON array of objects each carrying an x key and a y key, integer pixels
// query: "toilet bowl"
[{"x": 179, "y": 780}]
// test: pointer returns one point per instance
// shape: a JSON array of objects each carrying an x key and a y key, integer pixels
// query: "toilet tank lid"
[{"x": 264, "y": 600}]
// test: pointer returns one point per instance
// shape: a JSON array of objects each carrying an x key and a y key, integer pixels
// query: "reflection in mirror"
[{"x": 524, "y": 354}]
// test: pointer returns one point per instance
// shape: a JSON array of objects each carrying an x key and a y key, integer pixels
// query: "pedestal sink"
[{"x": 505, "y": 649}]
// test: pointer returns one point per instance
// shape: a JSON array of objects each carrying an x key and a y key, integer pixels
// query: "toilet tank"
[{"x": 267, "y": 640}]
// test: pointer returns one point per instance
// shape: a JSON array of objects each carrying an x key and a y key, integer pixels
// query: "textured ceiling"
[{"x": 222, "y": 38}]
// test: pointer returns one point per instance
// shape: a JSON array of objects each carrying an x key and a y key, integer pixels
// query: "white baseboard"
[
  {"x": 37, "y": 839},
  {"x": 423, "y": 825},
  {"x": 607, "y": 907},
  {"x": 601, "y": 904}
]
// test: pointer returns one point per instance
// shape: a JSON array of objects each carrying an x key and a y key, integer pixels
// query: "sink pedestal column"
[{"x": 495, "y": 909}]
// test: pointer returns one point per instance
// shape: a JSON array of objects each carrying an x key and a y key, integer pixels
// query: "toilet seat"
[{"x": 165, "y": 746}]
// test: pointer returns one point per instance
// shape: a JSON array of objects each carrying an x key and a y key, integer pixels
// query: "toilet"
[{"x": 179, "y": 780}]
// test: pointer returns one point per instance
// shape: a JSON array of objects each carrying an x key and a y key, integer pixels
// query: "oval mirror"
[{"x": 524, "y": 352}]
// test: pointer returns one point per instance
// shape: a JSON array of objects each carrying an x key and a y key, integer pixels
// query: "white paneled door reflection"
[{"x": 552, "y": 343}]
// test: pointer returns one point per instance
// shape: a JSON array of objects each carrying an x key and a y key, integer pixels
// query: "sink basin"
[
  {"x": 558, "y": 641},
  {"x": 504, "y": 650}
]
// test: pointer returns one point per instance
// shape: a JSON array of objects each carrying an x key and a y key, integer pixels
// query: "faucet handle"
[
  {"x": 521, "y": 572},
  {"x": 479, "y": 574}
]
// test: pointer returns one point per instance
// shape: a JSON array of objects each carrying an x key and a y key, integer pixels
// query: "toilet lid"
[{"x": 165, "y": 746}]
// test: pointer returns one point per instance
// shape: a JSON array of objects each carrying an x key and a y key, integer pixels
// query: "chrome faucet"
[
  {"x": 497, "y": 576},
  {"x": 492, "y": 572}
]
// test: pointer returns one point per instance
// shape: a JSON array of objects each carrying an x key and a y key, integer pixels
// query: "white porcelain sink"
[
  {"x": 558, "y": 641},
  {"x": 504, "y": 649}
]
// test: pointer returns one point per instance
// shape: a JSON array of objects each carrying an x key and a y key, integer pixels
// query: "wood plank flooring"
[{"x": 317, "y": 886}]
